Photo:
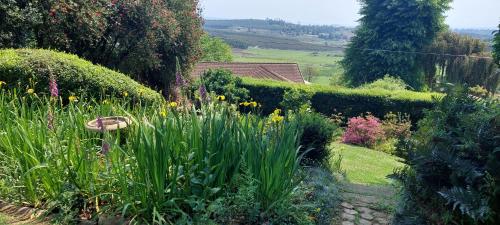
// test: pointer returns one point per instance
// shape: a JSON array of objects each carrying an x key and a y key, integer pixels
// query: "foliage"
[
  {"x": 317, "y": 133},
  {"x": 397, "y": 129},
  {"x": 392, "y": 26},
  {"x": 223, "y": 82},
  {"x": 140, "y": 38},
  {"x": 496, "y": 46},
  {"x": 329, "y": 100},
  {"x": 31, "y": 69},
  {"x": 215, "y": 50},
  {"x": 171, "y": 165},
  {"x": 296, "y": 100},
  {"x": 474, "y": 69},
  {"x": 478, "y": 91},
  {"x": 363, "y": 131},
  {"x": 453, "y": 166},
  {"x": 387, "y": 83}
]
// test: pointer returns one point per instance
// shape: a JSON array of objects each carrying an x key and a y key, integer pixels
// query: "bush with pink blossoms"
[{"x": 365, "y": 131}]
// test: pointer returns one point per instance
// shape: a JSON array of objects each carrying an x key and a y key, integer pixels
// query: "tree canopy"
[
  {"x": 390, "y": 32},
  {"x": 496, "y": 46},
  {"x": 463, "y": 60},
  {"x": 141, "y": 38},
  {"x": 215, "y": 50}
]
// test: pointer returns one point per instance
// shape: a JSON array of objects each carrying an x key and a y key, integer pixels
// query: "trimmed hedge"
[
  {"x": 31, "y": 68},
  {"x": 350, "y": 102}
]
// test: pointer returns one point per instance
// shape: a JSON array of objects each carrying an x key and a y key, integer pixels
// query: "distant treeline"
[{"x": 327, "y": 32}]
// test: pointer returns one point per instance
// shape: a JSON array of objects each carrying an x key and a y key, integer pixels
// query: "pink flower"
[
  {"x": 100, "y": 124},
  {"x": 54, "y": 92},
  {"x": 363, "y": 131},
  {"x": 105, "y": 148}
]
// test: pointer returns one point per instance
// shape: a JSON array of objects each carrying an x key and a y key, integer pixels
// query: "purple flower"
[
  {"x": 100, "y": 124},
  {"x": 50, "y": 121},
  {"x": 179, "y": 81},
  {"x": 105, "y": 148},
  {"x": 203, "y": 93},
  {"x": 54, "y": 92}
]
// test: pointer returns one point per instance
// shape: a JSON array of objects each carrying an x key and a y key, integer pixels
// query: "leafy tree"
[
  {"x": 140, "y": 38},
  {"x": 310, "y": 72},
  {"x": 396, "y": 27},
  {"x": 215, "y": 49},
  {"x": 496, "y": 46},
  {"x": 475, "y": 69}
]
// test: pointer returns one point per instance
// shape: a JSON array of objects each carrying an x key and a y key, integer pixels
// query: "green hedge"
[
  {"x": 350, "y": 102},
  {"x": 31, "y": 68}
]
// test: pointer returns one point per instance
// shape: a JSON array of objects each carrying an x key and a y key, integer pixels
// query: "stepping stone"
[
  {"x": 349, "y": 217},
  {"x": 365, "y": 222},
  {"x": 367, "y": 216},
  {"x": 347, "y": 205},
  {"x": 350, "y": 211},
  {"x": 382, "y": 221},
  {"x": 364, "y": 210},
  {"x": 347, "y": 223}
]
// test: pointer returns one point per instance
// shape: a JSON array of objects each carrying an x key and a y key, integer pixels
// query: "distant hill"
[
  {"x": 483, "y": 34},
  {"x": 279, "y": 34}
]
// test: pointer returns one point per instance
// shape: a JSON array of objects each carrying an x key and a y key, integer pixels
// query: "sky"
[{"x": 464, "y": 13}]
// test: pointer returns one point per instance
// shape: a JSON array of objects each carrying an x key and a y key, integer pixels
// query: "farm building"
[{"x": 288, "y": 72}]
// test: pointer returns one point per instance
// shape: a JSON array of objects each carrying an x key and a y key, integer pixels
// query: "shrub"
[
  {"x": 397, "y": 129},
  {"x": 296, "y": 99},
  {"x": 454, "y": 165},
  {"x": 29, "y": 68},
  {"x": 317, "y": 132},
  {"x": 223, "y": 82},
  {"x": 142, "y": 39},
  {"x": 387, "y": 83},
  {"x": 329, "y": 100},
  {"x": 365, "y": 131}
]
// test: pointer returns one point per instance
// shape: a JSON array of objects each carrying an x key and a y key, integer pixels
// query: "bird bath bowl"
[{"x": 111, "y": 123}]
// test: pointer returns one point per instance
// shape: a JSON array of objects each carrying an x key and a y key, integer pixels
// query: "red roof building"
[{"x": 288, "y": 72}]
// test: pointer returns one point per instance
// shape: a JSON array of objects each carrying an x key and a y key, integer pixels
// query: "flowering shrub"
[{"x": 365, "y": 131}]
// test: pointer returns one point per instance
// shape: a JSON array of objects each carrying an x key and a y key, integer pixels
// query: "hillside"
[{"x": 279, "y": 34}]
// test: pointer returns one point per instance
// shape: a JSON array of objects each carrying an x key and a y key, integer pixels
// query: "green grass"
[
  {"x": 326, "y": 62},
  {"x": 366, "y": 166},
  {"x": 3, "y": 220}
]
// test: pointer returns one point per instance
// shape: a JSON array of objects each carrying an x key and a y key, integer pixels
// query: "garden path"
[
  {"x": 366, "y": 204},
  {"x": 10, "y": 214}
]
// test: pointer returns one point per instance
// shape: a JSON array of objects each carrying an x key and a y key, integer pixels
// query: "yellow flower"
[
  {"x": 125, "y": 94},
  {"x": 318, "y": 209},
  {"x": 277, "y": 118},
  {"x": 221, "y": 98},
  {"x": 277, "y": 111},
  {"x": 173, "y": 104},
  {"x": 164, "y": 113},
  {"x": 105, "y": 102},
  {"x": 31, "y": 91},
  {"x": 72, "y": 98},
  {"x": 246, "y": 104},
  {"x": 2, "y": 83},
  {"x": 254, "y": 104}
]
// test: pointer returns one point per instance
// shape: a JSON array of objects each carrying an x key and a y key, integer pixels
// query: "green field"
[
  {"x": 327, "y": 63},
  {"x": 366, "y": 166}
]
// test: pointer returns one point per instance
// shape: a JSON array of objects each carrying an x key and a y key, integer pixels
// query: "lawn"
[
  {"x": 366, "y": 166},
  {"x": 326, "y": 62}
]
